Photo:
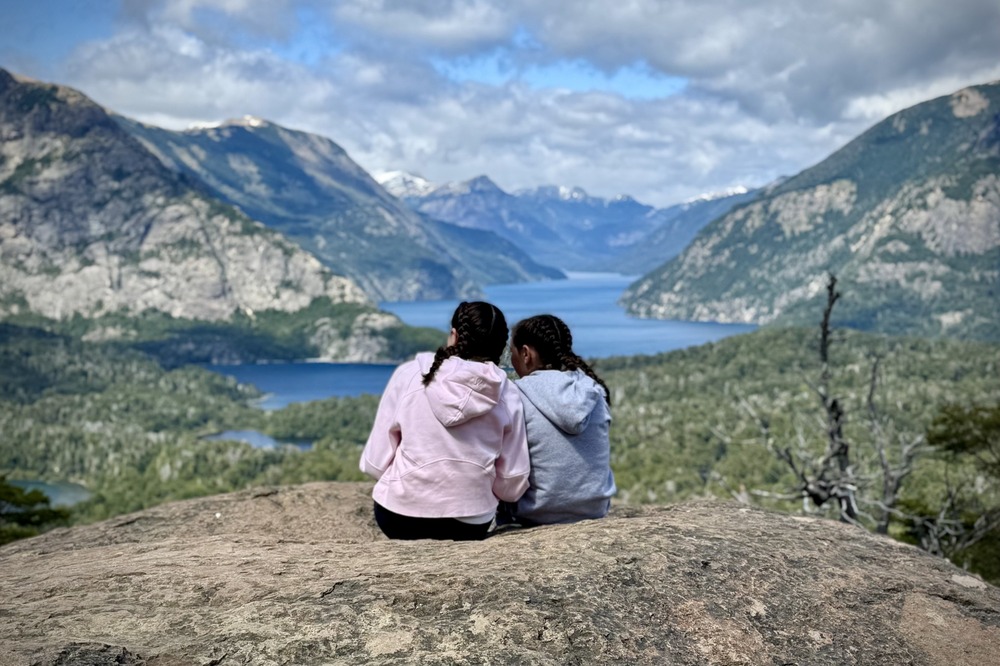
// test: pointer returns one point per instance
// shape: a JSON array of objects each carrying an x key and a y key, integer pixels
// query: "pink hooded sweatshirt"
[{"x": 451, "y": 449}]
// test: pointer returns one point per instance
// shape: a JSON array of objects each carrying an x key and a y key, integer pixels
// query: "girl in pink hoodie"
[{"x": 448, "y": 440}]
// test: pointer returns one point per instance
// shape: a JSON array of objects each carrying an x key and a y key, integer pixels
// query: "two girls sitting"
[{"x": 453, "y": 437}]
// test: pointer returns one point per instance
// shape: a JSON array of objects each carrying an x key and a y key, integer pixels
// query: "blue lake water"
[
  {"x": 285, "y": 383},
  {"x": 60, "y": 493},
  {"x": 587, "y": 302},
  {"x": 256, "y": 439}
]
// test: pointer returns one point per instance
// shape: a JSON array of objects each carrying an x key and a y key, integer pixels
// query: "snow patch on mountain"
[
  {"x": 245, "y": 121},
  {"x": 403, "y": 184},
  {"x": 712, "y": 196}
]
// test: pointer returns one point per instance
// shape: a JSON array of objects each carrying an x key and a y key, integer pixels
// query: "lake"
[
  {"x": 60, "y": 493},
  {"x": 257, "y": 439},
  {"x": 285, "y": 383},
  {"x": 587, "y": 302}
]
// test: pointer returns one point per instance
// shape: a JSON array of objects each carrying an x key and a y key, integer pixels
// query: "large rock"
[{"x": 301, "y": 575}]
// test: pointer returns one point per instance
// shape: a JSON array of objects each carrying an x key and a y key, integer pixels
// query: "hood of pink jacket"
[{"x": 462, "y": 390}]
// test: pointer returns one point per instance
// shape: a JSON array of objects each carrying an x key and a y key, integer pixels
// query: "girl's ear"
[
  {"x": 452, "y": 338},
  {"x": 529, "y": 356}
]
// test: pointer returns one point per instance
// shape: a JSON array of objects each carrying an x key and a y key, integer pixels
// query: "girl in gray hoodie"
[{"x": 567, "y": 416}]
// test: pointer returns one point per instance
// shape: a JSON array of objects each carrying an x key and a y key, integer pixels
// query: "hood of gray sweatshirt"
[{"x": 567, "y": 399}]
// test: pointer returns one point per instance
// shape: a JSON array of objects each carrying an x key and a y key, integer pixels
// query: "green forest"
[{"x": 740, "y": 419}]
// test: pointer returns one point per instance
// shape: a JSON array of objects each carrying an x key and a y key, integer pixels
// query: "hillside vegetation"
[
  {"x": 117, "y": 422},
  {"x": 684, "y": 421}
]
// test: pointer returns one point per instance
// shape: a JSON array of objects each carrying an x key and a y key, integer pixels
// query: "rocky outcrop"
[{"x": 300, "y": 575}]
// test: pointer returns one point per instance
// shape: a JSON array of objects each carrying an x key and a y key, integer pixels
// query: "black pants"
[
  {"x": 507, "y": 515},
  {"x": 396, "y": 526}
]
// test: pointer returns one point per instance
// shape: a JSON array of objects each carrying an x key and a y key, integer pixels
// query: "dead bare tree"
[
  {"x": 965, "y": 516},
  {"x": 832, "y": 477},
  {"x": 948, "y": 533},
  {"x": 866, "y": 482}
]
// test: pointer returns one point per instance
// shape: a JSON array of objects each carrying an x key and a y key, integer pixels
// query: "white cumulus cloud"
[{"x": 456, "y": 88}]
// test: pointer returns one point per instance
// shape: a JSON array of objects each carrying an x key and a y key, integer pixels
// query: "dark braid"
[
  {"x": 480, "y": 332},
  {"x": 551, "y": 338}
]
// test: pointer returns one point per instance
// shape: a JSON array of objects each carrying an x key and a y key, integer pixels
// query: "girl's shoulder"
[{"x": 409, "y": 373}]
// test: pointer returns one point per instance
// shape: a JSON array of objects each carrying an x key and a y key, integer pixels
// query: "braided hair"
[
  {"x": 550, "y": 337},
  {"x": 480, "y": 332}
]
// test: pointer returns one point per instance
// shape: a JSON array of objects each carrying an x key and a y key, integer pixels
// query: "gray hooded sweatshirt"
[{"x": 567, "y": 422}]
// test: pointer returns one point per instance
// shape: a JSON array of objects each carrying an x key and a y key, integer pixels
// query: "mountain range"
[
  {"x": 307, "y": 187},
  {"x": 907, "y": 216},
  {"x": 99, "y": 238},
  {"x": 92, "y": 223},
  {"x": 565, "y": 226},
  {"x": 103, "y": 216},
  {"x": 112, "y": 222}
]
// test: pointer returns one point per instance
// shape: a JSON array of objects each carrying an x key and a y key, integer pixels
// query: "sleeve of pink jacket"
[
  {"x": 380, "y": 449},
  {"x": 513, "y": 464}
]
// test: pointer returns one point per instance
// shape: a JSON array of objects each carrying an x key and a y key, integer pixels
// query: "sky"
[{"x": 661, "y": 100}]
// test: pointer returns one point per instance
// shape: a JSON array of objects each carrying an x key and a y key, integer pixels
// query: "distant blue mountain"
[{"x": 564, "y": 226}]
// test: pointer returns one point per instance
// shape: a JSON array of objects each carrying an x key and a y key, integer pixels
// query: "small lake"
[
  {"x": 256, "y": 439},
  {"x": 587, "y": 302},
  {"x": 59, "y": 494}
]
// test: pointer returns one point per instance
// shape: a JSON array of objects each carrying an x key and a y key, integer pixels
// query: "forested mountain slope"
[
  {"x": 686, "y": 423},
  {"x": 907, "y": 216}
]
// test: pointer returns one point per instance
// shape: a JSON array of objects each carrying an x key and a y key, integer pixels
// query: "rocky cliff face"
[
  {"x": 300, "y": 575},
  {"x": 92, "y": 223},
  {"x": 907, "y": 216},
  {"x": 309, "y": 189}
]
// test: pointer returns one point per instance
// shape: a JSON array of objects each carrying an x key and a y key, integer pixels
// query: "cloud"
[
  {"x": 779, "y": 60},
  {"x": 218, "y": 21},
  {"x": 439, "y": 26},
  {"x": 558, "y": 92},
  {"x": 181, "y": 79}
]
